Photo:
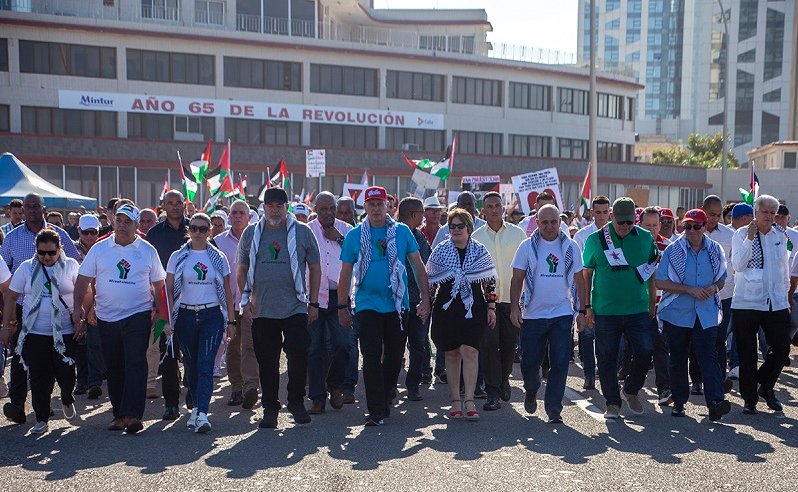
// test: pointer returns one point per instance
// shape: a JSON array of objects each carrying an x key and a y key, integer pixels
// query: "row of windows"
[
  {"x": 262, "y": 74},
  {"x": 3, "y": 55},
  {"x": 54, "y": 121},
  {"x": 416, "y": 86},
  {"x": 67, "y": 59},
  {"x": 162, "y": 66}
]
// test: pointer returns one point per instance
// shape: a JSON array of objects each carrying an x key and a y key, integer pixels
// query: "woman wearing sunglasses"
[
  {"x": 47, "y": 340},
  {"x": 463, "y": 271},
  {"x": 198, "y": 288}
]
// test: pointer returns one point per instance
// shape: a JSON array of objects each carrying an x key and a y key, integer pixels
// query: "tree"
[{"x": 700, "y": 151}]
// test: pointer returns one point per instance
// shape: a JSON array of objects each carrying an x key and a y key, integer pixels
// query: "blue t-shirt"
[{"x": 375, "y": 291}]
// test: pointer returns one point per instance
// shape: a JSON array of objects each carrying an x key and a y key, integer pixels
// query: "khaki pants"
[{"x": 242, "y": 365}]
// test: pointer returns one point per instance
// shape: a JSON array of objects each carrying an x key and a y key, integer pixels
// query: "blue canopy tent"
[{"x": 17, "y": 180}]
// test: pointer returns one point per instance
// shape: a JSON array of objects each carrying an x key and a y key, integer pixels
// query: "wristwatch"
[
  {"x": 344, "y": 305},
  {"x": 583, "y": 311},
  {"x": 314, "y": 304}
]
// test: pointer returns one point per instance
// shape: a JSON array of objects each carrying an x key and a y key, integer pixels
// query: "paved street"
[{"x": 417, "y": 449}]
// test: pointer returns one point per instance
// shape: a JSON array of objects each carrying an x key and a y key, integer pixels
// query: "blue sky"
[{"x": 549, "y": 24}]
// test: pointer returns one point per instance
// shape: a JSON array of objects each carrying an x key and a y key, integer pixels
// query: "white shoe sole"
[{"x": 203, "y": 429}]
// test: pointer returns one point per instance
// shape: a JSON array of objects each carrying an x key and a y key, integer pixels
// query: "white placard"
[
  {"x": 315, "y": 163},
  {"x": 355, "y": 191},
  {"x": 423, "y": 184},
  {"x": 197, "y": 106},
  {"x": 530, "y": 185}
]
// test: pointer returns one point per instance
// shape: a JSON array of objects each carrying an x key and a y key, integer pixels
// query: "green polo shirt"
[{"x": 620, "y": 291}]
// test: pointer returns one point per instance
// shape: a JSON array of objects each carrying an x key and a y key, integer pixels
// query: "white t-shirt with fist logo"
[{"x": 198, "y": 277}]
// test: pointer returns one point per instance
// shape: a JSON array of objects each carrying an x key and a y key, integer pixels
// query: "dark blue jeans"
[
  {"x": 587, "y": 354},
  {"x": 535, "y": 334},
  {"x": 722, "y": 335},
  {"x": 351, "y": 375},
  {"x": 419, "y": 353},
  {"x": 324, "y": 328},
  {"x": 609, "y": 329},
  {"x": 200, "y": 333},
  {"x": 124, "y": 344},
  {"x": 703, "y": 342}
]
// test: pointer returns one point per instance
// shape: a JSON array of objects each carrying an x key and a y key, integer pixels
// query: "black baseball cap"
[{"x": 275, "y": 195}]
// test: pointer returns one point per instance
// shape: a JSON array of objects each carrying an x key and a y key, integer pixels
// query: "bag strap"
[{"x": 47, "y": 276}]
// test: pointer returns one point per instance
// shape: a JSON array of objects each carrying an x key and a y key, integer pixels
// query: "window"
[
  {"x": 789, "y": 160},
  {"x": 530, "y": 96},
  {"x": 748, "y": 17},
  {"x": 572, "y": 101},
  {"x": 5, "y": 118},
  {"x": 354, "y": 81},
  {"x": 262, "y": 132},
  {"x": 417, "y": 86},
  {"x": 630, "y": 109},
  {"x": 349, "y": 136},
  {"x": 479, "y": 142},
  {"x": 613, "y": 25},
  {"x": 164, "y": 126},
  {"x": 747, "y": 57},
  {"x": 426, "y": 140},
  {"x": 608, "y": 151},
  {"x": 744, "y": 111},
  {"x": 613, "y": 5},
  {"x": 774, "y": 44},
  {"x": 530, "y": 146},
  {"x": 610, "y": 106},
  {"x": 434, "y": 43},
  {"x": 262, "y": 74},
  {"x": 167, "y": 10},
  {"x": 571, "y": 148},
  {"x": 3, "y": 55},
  {"x": 209, "y": 12},
  {"x": 54, "y": 121},
  {"x": 770, "y": 128},
  {"x": 67, "y": 59},
  {"x": 162, "y": 66},
  {"x": 484, "y": 92},
  {"x": 772, "y": 96}
]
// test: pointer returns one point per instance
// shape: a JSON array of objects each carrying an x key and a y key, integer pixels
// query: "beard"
[{"x": 274, "y": 221}]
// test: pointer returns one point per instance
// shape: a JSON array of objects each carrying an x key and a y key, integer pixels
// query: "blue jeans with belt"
[
  {"x": 609, "y": 329},
  {"x": 536, "y": 336},
  {"x": 200, "y": 333}
]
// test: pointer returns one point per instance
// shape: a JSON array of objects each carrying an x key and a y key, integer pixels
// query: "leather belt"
[{"x": 199, "y": 307}]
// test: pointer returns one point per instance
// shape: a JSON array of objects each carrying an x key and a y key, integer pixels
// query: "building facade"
[
  {"x": 678, "y": 49},
  {"x": 98, "y": 96}
]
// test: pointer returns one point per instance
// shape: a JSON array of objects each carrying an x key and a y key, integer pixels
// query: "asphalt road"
[{"x": 418, "y": 448}]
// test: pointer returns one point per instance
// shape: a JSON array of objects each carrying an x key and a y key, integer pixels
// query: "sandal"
[
  {"x": 471, "y": 415},
  {"x": 456, "y": 414}
]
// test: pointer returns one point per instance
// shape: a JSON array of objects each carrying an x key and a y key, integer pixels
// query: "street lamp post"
[
  {"x": 592, "y": 104},
  {"x": 724, "y": 161}
]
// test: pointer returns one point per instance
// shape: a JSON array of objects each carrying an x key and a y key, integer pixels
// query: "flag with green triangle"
[
  {"x": 220, "y": 180},
  {"x": 200, "y": 167},
  {"x": 442, "y": 168}
]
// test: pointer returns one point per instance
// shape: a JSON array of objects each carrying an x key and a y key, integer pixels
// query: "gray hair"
[
  {"x": 766, "y": 201},
  {"x": 346, "y": 199},
  {"x": 243, "y": 202}
]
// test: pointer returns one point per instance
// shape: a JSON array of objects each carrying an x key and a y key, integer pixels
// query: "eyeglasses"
[
  {"x": 42, "y": 252},
  {"x": 694, "y": 227},
  {"x": 460, "y": 226},
  {"x": 665, "y": 221},
  {"x": 625, "y": 222},
  {"x": 89, "y": 232},
  {"x": 200, "y": 229}
]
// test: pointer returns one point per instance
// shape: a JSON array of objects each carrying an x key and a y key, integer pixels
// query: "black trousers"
[
  {"x": 382, "y": 344},
  {"x": 125, "y": 345},
  {"x": 269, "y": 336},
  {"x": 46, "y": 367},
  {"x": 776, "y": 326},
  {"x": 497, "y": 351},
  {"x": 170, "y": 373},
  {"x": 89, "y": 359},
  {"x": 18, "y": 382}
]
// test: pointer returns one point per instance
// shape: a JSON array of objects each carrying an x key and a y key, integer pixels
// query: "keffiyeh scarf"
[
  {"x": 477, "y": 267},
  {"x": 217, "y": 262},
  {"x": 299, "y": 285},
  {"x": 38, "y": 286},
  {"x": 395, "y": 267},
  {"x": 568, "y": 251}
]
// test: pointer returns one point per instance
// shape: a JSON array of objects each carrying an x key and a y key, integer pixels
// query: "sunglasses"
[
  {"x": 694, "y": 227},
  {"x": 200, "y": 229},
  {"x": 42, "y": 252},
  {"x": 89, "y": 232},
  {"x": 666, "y": 221},
  {"x": 625, "y": 222},
  {"x": 460, "y": 226}
]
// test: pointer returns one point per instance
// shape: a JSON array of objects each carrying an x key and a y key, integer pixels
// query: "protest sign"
[{"x": 530, "y": 185}]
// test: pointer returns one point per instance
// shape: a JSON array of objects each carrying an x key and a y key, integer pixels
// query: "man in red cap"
[
  {"x": 667, "y": 225},
  {"x": 380, "y": 246},
  {"x": 691, "y": 273}
]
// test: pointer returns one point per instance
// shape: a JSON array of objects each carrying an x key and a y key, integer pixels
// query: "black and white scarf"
[
  {"x": 299, "y": 284},
  {"x": 477, "y": 267},
  {"x": 38, "y": 284},
  {"x": 568, "y": 251},
  {"x": 396, "y": 268},
  {"x": 217, "y": 262},
  {"x": 617, "y": 260}
]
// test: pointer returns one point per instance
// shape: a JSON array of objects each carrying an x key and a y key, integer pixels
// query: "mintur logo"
[{"x": 96, "y": 101}]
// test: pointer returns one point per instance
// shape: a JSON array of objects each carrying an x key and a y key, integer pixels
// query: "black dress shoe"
[
  {"x": 590, "y": 383},
  {"x": 480, "y": 393},
  {"x": 770, "y": 398},
  {"x": 414, "y": 395},
  {"x": 718, "y": 409},
  {"x": 555, "y": 418},
  {"x": 250, "y": 398},
  {"x": 697, "y": 389},
  {"x": 530, "y": 403},
  {"x": 728, "y": 385},
  {"x": 94, "y": 393},
  {"x": 750, "y": 409},
  {"x": 506, "y": 392},
  {"x": 269, "y": 420},
  {"x": 299, "y": 413},
  {"x": 678, "y": 410},
  {"x": 80, "y": 389},
  {"x": 171, "y": 413},
  {"x": 492, "y": 404},
  {"x": 14, "y": 413},
  {"x": 236, "y": 399},
  {"x": 426, "y": 379}
]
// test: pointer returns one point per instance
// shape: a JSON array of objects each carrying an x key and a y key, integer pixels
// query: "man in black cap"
[{"x": 272, "y": 257}]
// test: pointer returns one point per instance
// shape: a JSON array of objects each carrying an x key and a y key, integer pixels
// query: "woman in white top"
[
  {"x": 47, "y": 340},
  {"x": 198, "y": 288}
]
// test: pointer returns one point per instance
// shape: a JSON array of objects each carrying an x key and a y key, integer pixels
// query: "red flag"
[{"x": 161, "y": 318}]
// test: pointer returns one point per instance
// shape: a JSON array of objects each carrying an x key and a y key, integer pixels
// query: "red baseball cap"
[
  {"x": 695, "y": 215},
  {"x": 666, "y": 212},
  {"x": 375, "y": 193}
]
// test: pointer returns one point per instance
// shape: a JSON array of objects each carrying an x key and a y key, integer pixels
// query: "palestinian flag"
[
  {"x": 161, "y": 318},
  {"x": 200, "y": 167},
  {"x": 165, "y": 189},
  {"x": 220, "y": 180},
  {"x": 750, "y": 197},
  {"x": 585, "y": 194},
  {"x": 281, "y": 178},
  {"x": 365, "y": 179},
  {"x": 441, "y": 168},
  {"x": 188, "y": 184}
]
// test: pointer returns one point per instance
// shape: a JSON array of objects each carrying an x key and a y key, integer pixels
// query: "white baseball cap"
[
  {"x": 301, "y": 209},
  {"x": 88, "y": 221}
]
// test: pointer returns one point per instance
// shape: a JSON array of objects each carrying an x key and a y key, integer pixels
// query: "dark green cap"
[{"x": 623, "y": 209}]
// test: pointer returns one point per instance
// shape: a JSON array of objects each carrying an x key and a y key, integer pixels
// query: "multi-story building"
[
  {"x": 677, "y": 49},
  {"x": 98, "y": 96}
]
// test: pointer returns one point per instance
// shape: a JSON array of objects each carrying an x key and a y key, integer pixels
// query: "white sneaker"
[
  {"x": 734, "y": 373},
  {"x": 3, "y": 388},
  {"x": 192, "y": 420},
  {"x": 69, "y": 411},
  {"x": 39, "y": 428},
  {"x": 202, "y": 425}
]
